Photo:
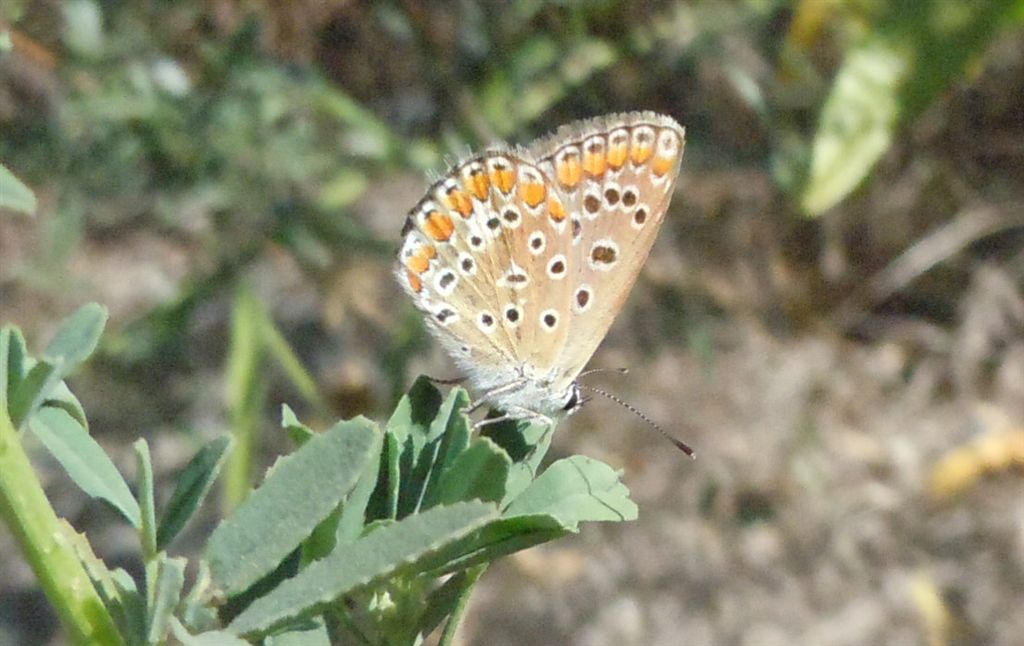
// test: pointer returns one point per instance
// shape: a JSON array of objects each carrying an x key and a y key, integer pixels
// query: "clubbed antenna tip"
[{"x": 679, "y": 444}]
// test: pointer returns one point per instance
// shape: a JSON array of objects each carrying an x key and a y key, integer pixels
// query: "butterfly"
[{"x": 520, "y": 258}]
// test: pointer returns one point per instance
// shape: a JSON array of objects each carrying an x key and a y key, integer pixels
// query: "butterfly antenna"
[
  {"x": 446, "y": 382},
  {"x": 679, "y": 444}
]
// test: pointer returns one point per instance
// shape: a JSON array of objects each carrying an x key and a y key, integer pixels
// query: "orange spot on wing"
[
  {"x": 662, "y": 165},
  {"x": 503, "y": 178},
  {"x": 568, "y": 170},
  {"x": 532, "y": 193},
  {"x": 641, "y": 153},
  {"x": 458, "y": 201},
  {"x": 414, "y": 281},
  {"x": 594, "y": 162},
  {"x": 476, "y": 183},
  {"x": 617, "y": 154},
  {"x": 438, "y": 226},
  {"x": 420, "y": 261},
  {"x": 556, "y": 209}
]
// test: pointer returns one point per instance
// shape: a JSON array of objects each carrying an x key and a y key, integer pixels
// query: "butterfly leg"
[
  {"x": 493, "y": 392},
  {"x": 516, "y": 413}
]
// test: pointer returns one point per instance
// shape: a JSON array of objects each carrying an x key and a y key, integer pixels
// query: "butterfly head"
[{"x": 574, "y": 400}]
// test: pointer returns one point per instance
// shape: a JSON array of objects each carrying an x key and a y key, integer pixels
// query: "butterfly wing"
[
  {"x": 485, "y": 258},
  {"x": 616, "y": 175}
]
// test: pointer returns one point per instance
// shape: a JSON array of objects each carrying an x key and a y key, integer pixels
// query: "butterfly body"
[{"x": 519, "y": 259}]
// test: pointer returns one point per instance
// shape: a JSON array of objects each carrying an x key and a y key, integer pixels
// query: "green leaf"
[
  {"x": 209, "y": 638},
  {"x": 84, "y": 460},
  {"x": 443, "y": 601},
  {"x": 191, "y": 489},
  {"x": 299, "y": 432},
  {"x": 404, "y": 440},
  {"x": 576, "y": 489},
  {"x": 384, "y": 501},
  {"x": 147, "y": 531},
  {"x": 353, "y": 511},
  {"x": 14, "y": 195},
  {"x": 117, "y": 590},
  {"x": 299, "y": 492},
  {"x": 246, "y": 390},
  {"x": 310, "y": 633},
  {"x": 62, "y": 397},
  {"x": 13, "y": 357},
  {"x": 169, "y": 584},
  {"x": 77, "y": 337},
  {"x": 439, "y": 443},
  {"x": 912, "y": 55},
  {"x": 277, "y": 347},
  {"x": 32, "y": 391},
  {"x": 383, "y": 553},
  {"x": 478, "y": 472},
  {"x": 857, "y": 122},
  {"x": 527, "y": 444},
  {"x": 497, "y": 538}
]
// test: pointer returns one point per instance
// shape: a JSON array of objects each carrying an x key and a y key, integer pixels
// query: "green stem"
[
  {"x": 473, "y": 575},
  {"x": 44, "y": 540}
]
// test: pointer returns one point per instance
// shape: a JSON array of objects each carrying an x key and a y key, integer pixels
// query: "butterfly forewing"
[{"x": 617, "y": 174}]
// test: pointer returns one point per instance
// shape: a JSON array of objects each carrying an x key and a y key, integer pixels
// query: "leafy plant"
[{"x": 366, "y": 533}]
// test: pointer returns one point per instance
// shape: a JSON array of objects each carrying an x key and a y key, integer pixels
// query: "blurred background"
[{"x": 833, "y": 315}]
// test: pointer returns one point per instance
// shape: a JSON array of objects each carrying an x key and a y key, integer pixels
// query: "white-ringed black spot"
[
  {"x": 630, "y": 197},
  {"x": 514, "y": 278},
  {"x": 549, "y": 319},
  {"x": 466, "y": 264},
  {"x": 513, "y": 314},
  {"x": 493, "y": 224},
  {"x": 591, "y": 205},
  {"x": 603, "y": 255},
  {"x": 577, "y": 229},
  {"x": 612, "y": 195},
  {"x": 446, "y": 316},
  {"x": 445, "y": 282},
  {"x": 537, "y": 242},
  {"x": 485, "y": 321},
  {"x": 582, "y": 299},
  {"x": 511, "y": 217},
  {"x": 556, "y": 267},
  {"x": 476, "y": 242},
  {"x": 640, "y": 216}
]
